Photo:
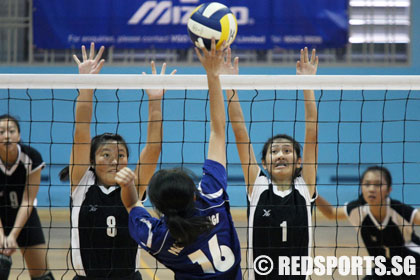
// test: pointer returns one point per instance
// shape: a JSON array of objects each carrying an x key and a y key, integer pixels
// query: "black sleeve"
[
  {"x": 352, "y": 205},
  {"x": 35, "y": 157},
  {"x": 406, "y": 211}
]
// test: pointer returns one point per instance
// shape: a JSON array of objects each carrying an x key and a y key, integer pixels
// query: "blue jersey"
[{"x": 214, "y": 255}]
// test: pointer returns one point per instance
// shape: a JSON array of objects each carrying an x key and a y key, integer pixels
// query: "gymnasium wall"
[{"x": 385, "y": 137}]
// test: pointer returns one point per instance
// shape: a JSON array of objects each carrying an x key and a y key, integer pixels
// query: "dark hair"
[
  {"x": 296, "y": 147},
  {"x": 385, "y": 173},
  {"x": 173, "y": 192},
  {"x": 101, "y": 139},
  {"x": 13, "y": 119},
  {"x": 95, "y": 143}
]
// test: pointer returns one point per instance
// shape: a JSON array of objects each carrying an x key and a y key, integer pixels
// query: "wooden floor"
[{"x": 56, "y": 223}]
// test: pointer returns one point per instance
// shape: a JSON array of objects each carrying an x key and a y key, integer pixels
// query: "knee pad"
[
  {"x": 47, "y": 276},
  {"x": 5, "y": 265}
]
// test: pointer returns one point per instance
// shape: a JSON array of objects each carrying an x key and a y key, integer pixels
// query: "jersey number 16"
[{"x": 223, "y": 257}]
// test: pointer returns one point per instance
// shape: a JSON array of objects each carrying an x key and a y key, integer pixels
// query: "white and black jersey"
[
  {"x": 395, "y": 236},
  {"x": 13, "y": 180},
  {"x": 280, "y": 223},
  {"x": 100, "y": 241},
  {"x": 12, "y": 186}
]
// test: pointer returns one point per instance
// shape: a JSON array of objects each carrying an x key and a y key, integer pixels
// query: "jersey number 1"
[
  {"x": 283, "y": 225},
  {"x": 223, "y": 257}
]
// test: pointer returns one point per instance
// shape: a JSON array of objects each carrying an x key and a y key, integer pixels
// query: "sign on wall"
[{"x": 162, "y": 24}]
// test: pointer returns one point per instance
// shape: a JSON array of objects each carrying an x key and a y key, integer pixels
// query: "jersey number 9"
[{"x": 111, "y": 230}]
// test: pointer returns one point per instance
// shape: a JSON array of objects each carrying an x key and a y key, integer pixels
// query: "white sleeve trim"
[
  {"x": 150, "y": 233},
  {"x": 210, "y": 195},
  {"x": 413, "y": 215},
  {"x": 41, "y": 166}
]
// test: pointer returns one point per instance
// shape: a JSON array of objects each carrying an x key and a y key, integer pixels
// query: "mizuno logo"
[
  {"x": 266, "y": 213},
  {"x": 93, "y": 208},
  {"x": 165, "y": 13},
  {"x": 162, "y": 13}
]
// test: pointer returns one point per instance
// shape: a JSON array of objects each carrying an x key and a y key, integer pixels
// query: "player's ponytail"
[{"x": 173, "y": 193}]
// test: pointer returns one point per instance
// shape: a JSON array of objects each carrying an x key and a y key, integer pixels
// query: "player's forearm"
[
  {"x": 84, "y": 105},
  {"x": 154, "y": 128},
  {"x": 236, "y": 116},
  {"x": 311, "y": 115},
  {"x": 217, "y": 107},
  {"x": 310, "y": 106},
  {"x": 129, "y": 198},
  {"x": 22, "y": 217}
]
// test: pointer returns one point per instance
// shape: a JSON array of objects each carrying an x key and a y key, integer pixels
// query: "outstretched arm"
[
  {"x": 212, "y": 61},
  {"x": 310, "y": 149},
  {"x": 329, "y": 211},
  {"x": 249, "y": 164},
  {"x": 79, "y": 159},
  {"x": 149, "y": 156}
]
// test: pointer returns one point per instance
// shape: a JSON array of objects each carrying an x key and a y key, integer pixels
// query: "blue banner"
[{"x": 144, "y": 24}]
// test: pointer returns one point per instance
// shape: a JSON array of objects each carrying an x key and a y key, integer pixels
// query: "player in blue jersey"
[
  {"x": 20, "y": 227},
  {"x": 101, "y": 246},
  {"x": 385, "y": 225},
  {"x": 280, "y": 218},
  {"x": 195, "y": 236}
]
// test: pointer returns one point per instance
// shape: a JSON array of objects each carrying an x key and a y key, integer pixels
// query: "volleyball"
[{"x": 212, "y": 20}]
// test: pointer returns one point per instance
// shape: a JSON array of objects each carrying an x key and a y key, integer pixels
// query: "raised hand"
[
  {"x": 125, "y": 177},
  {"x": 93, "y": 64},
  {"x": 228, "y": 68},
  {"x": 212, "y": 60},
  {"x": 304, "y": 66},
  {"x": 157, "y": 93}
]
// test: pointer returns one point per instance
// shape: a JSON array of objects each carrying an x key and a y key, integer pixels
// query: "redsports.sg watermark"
[{"x": 319, "y": 265}]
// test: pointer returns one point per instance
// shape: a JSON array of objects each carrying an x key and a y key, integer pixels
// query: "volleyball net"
[{"x": 363, "y": 121}]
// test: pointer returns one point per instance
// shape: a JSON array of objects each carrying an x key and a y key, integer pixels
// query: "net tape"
[{"x": 185, "y": 82}]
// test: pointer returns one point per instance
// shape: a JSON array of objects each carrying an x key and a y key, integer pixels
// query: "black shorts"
[
  {"x": 135, "y": 276},
  {"x": 31, "y": 233}
]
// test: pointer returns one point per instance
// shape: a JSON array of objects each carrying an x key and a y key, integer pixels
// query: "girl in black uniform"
[
  {"x": 101, "y": 245},
  {"x": 280, "y": 203},
  {"x": 20, "y": 177},
  {"x": 385, "y": 224}
]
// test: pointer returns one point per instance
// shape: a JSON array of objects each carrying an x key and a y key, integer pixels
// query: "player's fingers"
[
  {"x": 236, "y": 63},
  {"x": 316, "y": 61},
  {"x": 213, "y": 46},
  {"x": 163, "y": 70},
  {"x": 306, "y": 55},
  {"x": 197, "y": 52},
  {"x": 92, "y": 50},
  {"x": 99, "y": 66},
  {"x": 200, "y": 44},
  {"x": 301, "y": 55},
  {"x": 173, "y": 72},
  {"x": 84, "y": 55},
  {"x": 153, "y": 66},
  {"x": 99, "y": 54},
  {"x": 76, "y": 59},
  {"x": 313, "y": 54},
  {"x": 229, "y": 57}
]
